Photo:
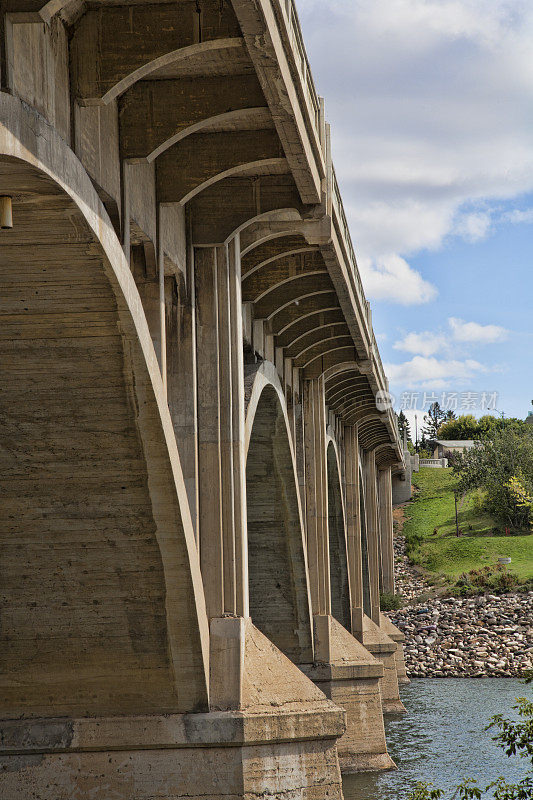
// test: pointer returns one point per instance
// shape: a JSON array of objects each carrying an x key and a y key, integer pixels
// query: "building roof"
[{"x": 456, "y": 442}]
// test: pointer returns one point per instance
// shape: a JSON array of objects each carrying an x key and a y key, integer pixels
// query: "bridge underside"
[{"x": 195, "y": 473}]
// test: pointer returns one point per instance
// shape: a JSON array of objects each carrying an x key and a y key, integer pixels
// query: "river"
[{"x": 441, "y": 738}]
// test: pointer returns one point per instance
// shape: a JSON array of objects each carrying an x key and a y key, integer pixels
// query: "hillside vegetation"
[{"x": 430, "y": 535}]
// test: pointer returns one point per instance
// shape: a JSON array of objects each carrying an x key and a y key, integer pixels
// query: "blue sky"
[{"x": 431, "y": 107}]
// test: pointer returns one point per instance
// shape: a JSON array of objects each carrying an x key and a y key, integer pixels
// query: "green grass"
[{"x": 441, "y": 552}]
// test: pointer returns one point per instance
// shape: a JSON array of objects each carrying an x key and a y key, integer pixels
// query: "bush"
[
  {"x": 391, "y": 602},
  {"x": 487, "y": 579},
  {"x": 502, "y": 466}
]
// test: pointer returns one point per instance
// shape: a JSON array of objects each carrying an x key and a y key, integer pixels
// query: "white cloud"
[
  {"x": 391, "y": 278},
  {"x": 517, "y": 217},
  {"x": 432, "y": 372},
  {"x": 473, "y": 227},
  {"x": 426, "y": 343},
  {"x": 474, "y": 332},
  {"x": 430, "y": 103}
]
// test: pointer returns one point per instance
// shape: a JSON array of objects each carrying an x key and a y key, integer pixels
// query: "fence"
[{"x": 436, "y": 463}]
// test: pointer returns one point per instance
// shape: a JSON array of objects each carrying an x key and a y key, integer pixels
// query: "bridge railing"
[
  {"x": 344, "y": 229},
  {"x": 296, "y": 38},
  {"x": 335, "y": 203}
]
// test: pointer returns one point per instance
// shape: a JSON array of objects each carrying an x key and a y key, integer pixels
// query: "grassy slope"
[{"x": 442, "y": 553}]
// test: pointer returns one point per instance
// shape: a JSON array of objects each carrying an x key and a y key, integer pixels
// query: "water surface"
[{"x": 441, "y": 738}]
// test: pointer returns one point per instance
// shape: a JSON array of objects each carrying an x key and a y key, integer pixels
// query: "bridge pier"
[
  {"x": 344, "y": 668},
  {"x": 191, "y": 541},
  {"x": 351, "y": 678}
]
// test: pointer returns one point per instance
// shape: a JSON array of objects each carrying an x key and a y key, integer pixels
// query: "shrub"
[
  {"x": 487, "y": 579},
  {"x": 391, "y": 602}
]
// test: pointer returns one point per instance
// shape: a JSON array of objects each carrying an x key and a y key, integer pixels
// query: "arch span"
[
  {"x": 278, "y": 576},
  {"x": 102, "y": 586},
  {"x": 338, "y": 556}
]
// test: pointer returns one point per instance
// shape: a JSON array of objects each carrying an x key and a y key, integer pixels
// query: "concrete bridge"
[{"x": 196, "y": 514}]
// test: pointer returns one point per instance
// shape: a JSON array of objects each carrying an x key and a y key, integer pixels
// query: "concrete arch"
[
  {"x": 234, "y": 204},
  {"x": 322, "y": 348},
  {"x": 155, "y": 42},
  {"x": 278, "y": 296},
  {"x": 286, "y": 212},
  {"x": 338, "y": 555},
  {"x": 275, "y": 271},
  {"x": 167, "y": 60},
  {"x": 272, "y": 259},
  {"x": 102, "y": 507},
  {"x": 259, "y": 114},
  {"x": 240, "y": 169},
  {"x": 323, "y": 361},
  {"x": 280, "y": 604},
  {"x": 205, "y": 158},
  {"x": 265, "y": 234},
  {"x": 303, "y": 324},
  {"x": 311, "y": 334},
  {"x": 347, "y": 391}
]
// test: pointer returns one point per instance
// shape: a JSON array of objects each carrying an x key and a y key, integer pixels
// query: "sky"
[{"x": 431, "y": 111}]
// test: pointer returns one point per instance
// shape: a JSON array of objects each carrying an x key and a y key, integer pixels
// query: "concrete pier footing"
[
  {"x": 281, "y": 742},
  {"x": 397, "y": 636},
  {"x": 352, "y": 681},
  {"x": 215, "y": 755},
  {"x": 383, "y": 648}
]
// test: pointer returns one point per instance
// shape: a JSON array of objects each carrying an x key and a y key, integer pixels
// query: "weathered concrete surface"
[
  {"x": 352, "y": 681},
  {"x": 176, "y": 219},
  {"x": 397, "y": 636},
  {"x": 282, "y": 740},
  {"x": 384, "y": 649}
]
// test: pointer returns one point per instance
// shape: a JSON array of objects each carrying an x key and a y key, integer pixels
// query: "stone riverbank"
[{"x": 476, "y": 637}]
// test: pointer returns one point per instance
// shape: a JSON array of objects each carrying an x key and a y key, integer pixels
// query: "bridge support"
[
  {"x": 280, "y": 741},
  {"x": 250, "y": 679},
  {"x": 176, "y": 217},
  {"x": 399, "y": 638},
  {"x": 344, "y": 669},
  {"x": 351, "y": 679}
]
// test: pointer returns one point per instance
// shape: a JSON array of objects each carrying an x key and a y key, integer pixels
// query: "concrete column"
[
  {"x": 209, "y": 455},
  {"x": 376, "y": 640},
  {"x": 225, "y": 413},
  {"x": 238, "y": 435},
  {"x": 372, "y": 532},
  {"x": 353, "y": 528},
  {"x": 221, "y": 466},
  {"x": 386, "y": 530},
  {"x": 220, "y": 380},
  {"x": 299, "y": 448},
  {"x": 181, "y": 380},
  {"x": 316, "y": 501}
]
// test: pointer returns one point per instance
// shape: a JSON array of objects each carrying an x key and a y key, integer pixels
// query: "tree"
[
  {"x": 404, "y": 426},
  {"x": 464, "y": 427},
  {"x": 522, "y": 499},
  {"x": 433, "y": 420},
  {"x": 502, "y": 466},
  {"x": 467, "y": 426}
]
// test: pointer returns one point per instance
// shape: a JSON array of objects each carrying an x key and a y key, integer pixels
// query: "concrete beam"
[
  {"x": 113, "y": 47},
  {"x": 154, "y": 115}
]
